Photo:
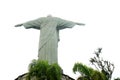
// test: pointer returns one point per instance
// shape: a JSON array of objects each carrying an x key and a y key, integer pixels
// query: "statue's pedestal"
[{"x": 23, "y": 77}]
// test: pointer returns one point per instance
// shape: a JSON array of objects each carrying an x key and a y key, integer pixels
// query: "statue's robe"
[{"x": 49, "y": 36}]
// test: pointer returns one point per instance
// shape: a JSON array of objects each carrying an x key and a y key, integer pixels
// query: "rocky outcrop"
[{"x": 23, "y": 77}]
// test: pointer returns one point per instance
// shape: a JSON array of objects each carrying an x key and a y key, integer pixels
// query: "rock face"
[{"x": 23, "y": 77}]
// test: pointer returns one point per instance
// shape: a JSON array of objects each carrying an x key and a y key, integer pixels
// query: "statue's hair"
[{"x": 49, "y": 15}]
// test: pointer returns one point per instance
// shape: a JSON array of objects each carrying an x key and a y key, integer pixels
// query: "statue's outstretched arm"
[
  {"x": 79, "y": 24},
  {"x": 18, "y": 25}
]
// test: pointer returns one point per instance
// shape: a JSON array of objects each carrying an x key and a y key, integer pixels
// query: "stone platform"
[{"x": 23, "y": 77}]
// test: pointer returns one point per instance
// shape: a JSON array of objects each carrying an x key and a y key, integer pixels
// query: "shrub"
[{"x": 43, "y": 71}]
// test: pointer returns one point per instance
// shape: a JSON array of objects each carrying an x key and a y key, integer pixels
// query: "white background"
[{"x": 19, "y": 46}]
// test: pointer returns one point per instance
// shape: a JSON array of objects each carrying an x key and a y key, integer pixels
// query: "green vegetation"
[
  {"x": 104, "y": 66},
  {"x": 43, "y": 71},
  {"x": 88, "y": 73},
  {"x": 117, "y": 78}
]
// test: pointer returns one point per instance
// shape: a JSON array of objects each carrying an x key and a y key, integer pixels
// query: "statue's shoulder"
[
  {"x": 57, "y": 19},
  {"x": 41, "y": 19}
]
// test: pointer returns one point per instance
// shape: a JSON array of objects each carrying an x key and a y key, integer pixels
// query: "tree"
[
  {"x": 104, "y": 66},
  {"x": 88, "y": 73},
  {"x": 43, "y": 71},
  {"x": 117, "y": 78}
]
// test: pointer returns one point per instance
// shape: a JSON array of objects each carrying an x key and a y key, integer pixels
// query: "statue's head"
[{"x": 49, "y": 15}]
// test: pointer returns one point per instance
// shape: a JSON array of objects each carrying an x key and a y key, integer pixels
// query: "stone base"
[{"x": 23, "y": 77}]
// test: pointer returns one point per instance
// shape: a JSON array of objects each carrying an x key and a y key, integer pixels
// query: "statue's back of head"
[{"x": 49, "y": 15}]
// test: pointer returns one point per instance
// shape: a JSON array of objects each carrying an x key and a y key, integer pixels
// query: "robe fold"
[{"x": 49, "y": 36}]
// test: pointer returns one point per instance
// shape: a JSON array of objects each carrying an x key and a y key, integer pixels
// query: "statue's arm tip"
[
  {"x": 81, "y": 24},
  {"x": 18, "y": 25}
]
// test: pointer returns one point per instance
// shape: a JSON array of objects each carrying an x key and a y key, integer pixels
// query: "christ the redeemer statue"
[{"x": 49, "y": 35}]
